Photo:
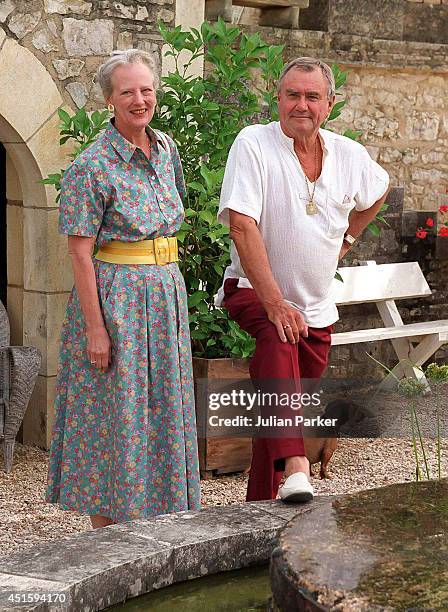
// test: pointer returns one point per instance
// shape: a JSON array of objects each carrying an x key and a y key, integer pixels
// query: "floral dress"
[{"x": 124, "y": 442}]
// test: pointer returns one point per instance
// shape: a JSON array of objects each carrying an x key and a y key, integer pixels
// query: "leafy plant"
[
  {"x": 374, "y": 227},
  {"x": 204, "y": 114},
  {"x": 340, "y": 77},
  {"x": 83, "y": 128},
  {"x": 436, "y": 372}
]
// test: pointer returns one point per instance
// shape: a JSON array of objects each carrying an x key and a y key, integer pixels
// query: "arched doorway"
[{"x": 37, "y": 281}]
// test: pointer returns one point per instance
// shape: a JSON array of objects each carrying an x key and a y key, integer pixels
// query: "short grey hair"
[
  {"x": 309, "y": 64},
  {"x": 121, "y": 58}
]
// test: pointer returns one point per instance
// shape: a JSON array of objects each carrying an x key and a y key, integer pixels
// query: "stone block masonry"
[
  {"x": 402, "y": 116},
  {"x": 72, "y": 37}
]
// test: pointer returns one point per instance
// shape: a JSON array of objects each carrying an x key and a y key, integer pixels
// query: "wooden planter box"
[{"x": 220, "y": 455}]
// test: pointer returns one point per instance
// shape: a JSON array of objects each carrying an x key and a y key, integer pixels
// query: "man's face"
[{"x": 303, "y": 102}]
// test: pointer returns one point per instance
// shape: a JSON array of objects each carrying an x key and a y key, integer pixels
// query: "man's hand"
[
  {"x": 288, "y": 321},
  {"x": 344, "y": 249},
  {"x": 251, "y": 249}
]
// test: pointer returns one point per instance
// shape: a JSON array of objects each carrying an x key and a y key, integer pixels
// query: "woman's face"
[{"x": 133, "y": 96}]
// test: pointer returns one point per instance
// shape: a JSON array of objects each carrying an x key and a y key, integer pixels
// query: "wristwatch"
[{"x": 349, "y": 239}]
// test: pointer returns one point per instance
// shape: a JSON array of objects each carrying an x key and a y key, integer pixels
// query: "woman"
[{"x": 124, "y": 438}]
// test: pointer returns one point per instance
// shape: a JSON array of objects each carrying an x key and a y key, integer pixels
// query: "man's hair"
[
  {"x": 121, "y": 58},
  {"x": 309, "y": 64}
]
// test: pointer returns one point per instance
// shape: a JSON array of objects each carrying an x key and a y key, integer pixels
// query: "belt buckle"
[{"x": 161, "y": 251}]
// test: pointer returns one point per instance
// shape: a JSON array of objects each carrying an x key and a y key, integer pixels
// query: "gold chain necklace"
[{"x": 311, "y": 207}]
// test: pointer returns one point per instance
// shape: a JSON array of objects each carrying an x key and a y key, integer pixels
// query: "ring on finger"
[{"x": 286, "y": 326}]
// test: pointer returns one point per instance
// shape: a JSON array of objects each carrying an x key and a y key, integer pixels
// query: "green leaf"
[
  {"x": 196, "y": 186},
  {"x": 194, "y": 299},
  {"x": 216, "y": 328},
  {"x": 381, "y": 219},
  {"x": 339, "y": 105},
  {"x": 52, "y": 179},
  {"x": 336, "y": 110},
  {"x": 374, "y": 229},
  {"x": 64, "y": 116},
  {"x": 198, "y": 334},
  {"x": 352, "y": 134},
  {"x": 207, "y": 216}
]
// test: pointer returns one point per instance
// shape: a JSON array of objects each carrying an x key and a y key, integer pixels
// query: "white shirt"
[{"x": 264, "y": 180}]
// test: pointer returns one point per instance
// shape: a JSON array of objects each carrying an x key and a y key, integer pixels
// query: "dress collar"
[{"x": 123, "y": 147}]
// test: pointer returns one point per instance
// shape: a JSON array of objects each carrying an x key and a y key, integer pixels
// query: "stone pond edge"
[{"x": 97, "y": 569}]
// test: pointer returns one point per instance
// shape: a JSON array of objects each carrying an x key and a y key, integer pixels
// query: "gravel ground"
[{"x": 357, "y": 464}]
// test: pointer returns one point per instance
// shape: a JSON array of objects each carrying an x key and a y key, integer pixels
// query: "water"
[{"x": 246, "y": 590}]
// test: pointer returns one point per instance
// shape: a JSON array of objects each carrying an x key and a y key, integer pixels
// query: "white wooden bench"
[{"x": 414, "y": 343}]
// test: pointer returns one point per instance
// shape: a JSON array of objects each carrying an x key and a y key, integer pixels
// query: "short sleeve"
[
  {"x": 81, "y": 206},
  {"x": 373, "y": 183},
  {"x": 242, "y": 187},
  {"x": 178, "y": 172}
]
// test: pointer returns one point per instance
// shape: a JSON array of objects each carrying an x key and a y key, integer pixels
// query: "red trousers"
[{"x": 274, "y": 359}]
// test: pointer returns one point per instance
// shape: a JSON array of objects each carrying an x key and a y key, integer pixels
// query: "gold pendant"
[{"x": 311, "y": 208}]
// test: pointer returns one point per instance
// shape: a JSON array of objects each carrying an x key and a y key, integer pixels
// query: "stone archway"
[{"x": 38, "y": 279}]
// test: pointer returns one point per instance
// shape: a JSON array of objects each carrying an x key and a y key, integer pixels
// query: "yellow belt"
[{"x": 159, "y": 251}]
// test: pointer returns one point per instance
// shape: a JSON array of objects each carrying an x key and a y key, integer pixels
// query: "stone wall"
[
  {"x": 390, "y": 19},
  {"x": 404, "y": 122},
  {"x": 71, "y": 37},
  {"x": 411, "y": 20}
]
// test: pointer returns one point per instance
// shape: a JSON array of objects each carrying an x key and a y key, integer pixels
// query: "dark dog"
[{"x": 321, "y": 442}]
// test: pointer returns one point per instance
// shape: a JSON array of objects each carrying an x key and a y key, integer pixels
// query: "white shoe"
[{"x": 297, "y": 488}]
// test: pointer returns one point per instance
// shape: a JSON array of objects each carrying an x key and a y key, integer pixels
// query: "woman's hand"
[
  {"x": 80, "y": 249},
  {"x": 99, "y": 348},
  {"x": 288, "y": 321}
]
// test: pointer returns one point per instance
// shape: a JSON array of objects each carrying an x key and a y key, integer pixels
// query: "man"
[{"x": 288, "y": 190}]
